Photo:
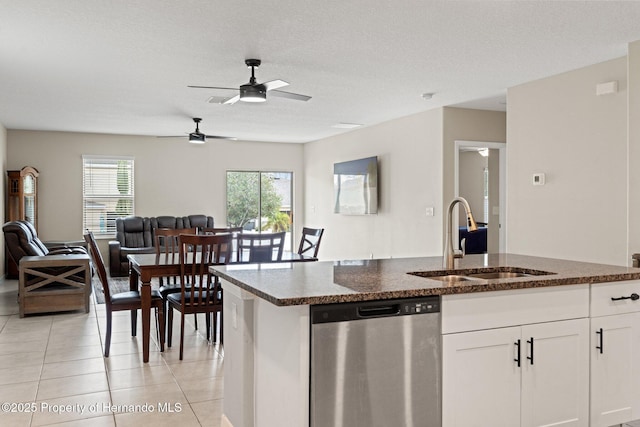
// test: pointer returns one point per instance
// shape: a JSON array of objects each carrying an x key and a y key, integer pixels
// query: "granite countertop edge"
[{"x": 335, "y": 293}]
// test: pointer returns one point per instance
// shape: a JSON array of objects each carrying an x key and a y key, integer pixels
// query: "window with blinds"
[{"x": 107, "y": 192}]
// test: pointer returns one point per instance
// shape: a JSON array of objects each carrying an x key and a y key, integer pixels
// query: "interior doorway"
[{"x": 480, "y": 175}]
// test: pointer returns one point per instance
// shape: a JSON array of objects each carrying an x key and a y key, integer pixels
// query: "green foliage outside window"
[{"x": 243, "y": 198}]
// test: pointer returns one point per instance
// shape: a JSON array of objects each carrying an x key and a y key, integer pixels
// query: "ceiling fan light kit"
[
  {"x": 249, "y": 93},
  {"x": 197, "y": 138}
]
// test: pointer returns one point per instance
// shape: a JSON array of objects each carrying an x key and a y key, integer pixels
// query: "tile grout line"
[{"x": 104, "y": 361}]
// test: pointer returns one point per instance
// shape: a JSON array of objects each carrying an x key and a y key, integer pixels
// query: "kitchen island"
[{"x": 267, "y": 332}]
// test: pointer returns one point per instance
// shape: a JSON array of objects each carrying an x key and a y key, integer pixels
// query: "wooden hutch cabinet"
[{"x": 22, "y": 202}]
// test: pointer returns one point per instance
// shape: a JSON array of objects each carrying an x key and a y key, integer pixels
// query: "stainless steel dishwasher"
[{"x": 376, "y": 364}]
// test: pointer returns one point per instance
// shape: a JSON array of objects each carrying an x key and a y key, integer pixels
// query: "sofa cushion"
[
  {"x": 166, "y": 222},
  {"x": 197, "y": 221}
]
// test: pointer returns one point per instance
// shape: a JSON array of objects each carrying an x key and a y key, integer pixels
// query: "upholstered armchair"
[
  {"x": 133, "y": 236},
  {"x": 50, "y": 279}
]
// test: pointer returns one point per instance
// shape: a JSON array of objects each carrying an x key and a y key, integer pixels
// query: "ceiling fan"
[
  {"x": 257, "y": 92},
  {"x": 198, "y": 137}
]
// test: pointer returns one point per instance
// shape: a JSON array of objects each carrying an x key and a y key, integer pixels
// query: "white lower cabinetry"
[
  {"x": 555, "y": 384},
  {"x": 481, "y": 382},
  {"x": 517, "y": 373},
  {"x": 615, "y": 354},
  {"x": 490, "y": 379}
]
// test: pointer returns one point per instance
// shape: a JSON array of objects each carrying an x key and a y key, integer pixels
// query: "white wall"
[
  {"x": 558, "y": 126},
  {"x": 633, "y": 72},
  {"x": 409, "y": 152},
  {"x": 3, "y": 190},
  {"x": 172, "y": 177}
]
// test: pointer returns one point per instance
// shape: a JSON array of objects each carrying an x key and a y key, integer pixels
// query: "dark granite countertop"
[{"x": 328, "y": 282}]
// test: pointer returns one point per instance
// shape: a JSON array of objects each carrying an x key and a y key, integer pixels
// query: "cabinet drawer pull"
[
  {"x": 632, "y": 297},
  {"x": 601, "y": 339},
  {"x": 530, "y": 357},
  {"x": 517, "y": 359}
]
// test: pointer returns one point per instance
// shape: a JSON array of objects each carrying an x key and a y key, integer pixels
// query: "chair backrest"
[
  {"x": 34, "y": 234},
  {"x": 134, "y": 232},
  {"x": 310, "y": 241},
  {"x": 98, "y": 263},
  {"x": 221, "y": 230},
  {"x": 233, "y": 231},
  {"x": 20, "y": 241},
  {"x": 263, "y": 247},
  {"x": 197, "y": 253},
  {"x": 197, "y": 221},
  {"x": 166, "y": 239}
]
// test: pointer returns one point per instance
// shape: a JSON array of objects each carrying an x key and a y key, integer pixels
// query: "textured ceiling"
[{"x": 123, "y": 67}]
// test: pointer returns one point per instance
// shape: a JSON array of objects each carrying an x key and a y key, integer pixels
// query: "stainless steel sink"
[
  {"x": 450, "y": 278},
  {"x": 487, "y": 273},
  {"x": 499, "y": 275}
]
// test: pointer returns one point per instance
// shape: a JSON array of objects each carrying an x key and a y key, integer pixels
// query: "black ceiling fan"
[
  {"x": 257, "y": 92},
  {"x": 197, "y": 137}
]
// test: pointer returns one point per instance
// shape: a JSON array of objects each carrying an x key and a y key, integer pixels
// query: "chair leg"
[
  {"x": 221, "y": 328},
  {"x": 169, "y": 325},
  {"x": 107, "y": 339},
  {"x": 181, "y": 334},
  {"x": 195, "y": 320},
  {"x": 214, "y": 331},
  {"x": 165, "y": 304},
  {"x": 208, "y": 320},
  {"x": 160, "y": 325},
  {"x": 134, "y": 322}
]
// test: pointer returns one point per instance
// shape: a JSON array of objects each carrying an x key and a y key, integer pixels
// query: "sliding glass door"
[{"x": 260, "y": 202}]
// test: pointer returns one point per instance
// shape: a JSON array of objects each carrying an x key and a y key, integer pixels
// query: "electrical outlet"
[{"x": 429, "y": 211}]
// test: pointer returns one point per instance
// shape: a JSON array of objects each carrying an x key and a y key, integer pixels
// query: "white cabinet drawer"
[
  {"x": 499, "y": 309},
  {"x": 603, "y": 305}
]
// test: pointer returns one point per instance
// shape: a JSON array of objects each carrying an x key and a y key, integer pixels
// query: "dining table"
[{"x": 144, "y": 267}]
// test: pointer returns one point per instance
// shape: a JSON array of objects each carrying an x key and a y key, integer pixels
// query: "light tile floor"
[{"x": 52, "y": 372}]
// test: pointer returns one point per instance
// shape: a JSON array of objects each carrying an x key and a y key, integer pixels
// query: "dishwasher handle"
[
  {"x": 379, "y": 310},
  {"x": 345, "y": 312}
]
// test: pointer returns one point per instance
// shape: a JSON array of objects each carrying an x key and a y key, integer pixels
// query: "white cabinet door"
[
  {"x": 555, "y": 374},
  {"x": 615, "y": 356},
  {"x": 481, "y": 379}
]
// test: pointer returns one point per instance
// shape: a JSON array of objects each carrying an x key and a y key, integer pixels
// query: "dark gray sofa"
[{"x": 136, "y": 235}]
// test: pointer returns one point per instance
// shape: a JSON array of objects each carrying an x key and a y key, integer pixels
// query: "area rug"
[{"x": 116, "y": 285}]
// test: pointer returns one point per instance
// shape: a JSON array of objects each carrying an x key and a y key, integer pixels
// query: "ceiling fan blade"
[
  {"x": 275, "y": 84},
  {"x": 231, "y": 138},
  {"x": 232, "y": 101},
  {"x": 214, "y": 87},
  {"x": 172, "y": 136},
  {"x": 290, "y": 95}
]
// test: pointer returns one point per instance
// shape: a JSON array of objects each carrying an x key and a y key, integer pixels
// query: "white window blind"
[{"x": 107, "y": 192}]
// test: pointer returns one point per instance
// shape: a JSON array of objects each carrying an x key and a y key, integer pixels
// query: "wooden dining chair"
[
  {"x": 263, "y": 247},
  {"x": 129, "y": 300},
  {"x": 166, "y": 243},
  {"x": 310, "y": 241},
  {"x": 204, "y": 292},
  {"x": 234, "y": 231}
]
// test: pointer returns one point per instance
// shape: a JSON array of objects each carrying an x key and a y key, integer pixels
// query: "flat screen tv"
[{"x": 355, "y": 185}]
